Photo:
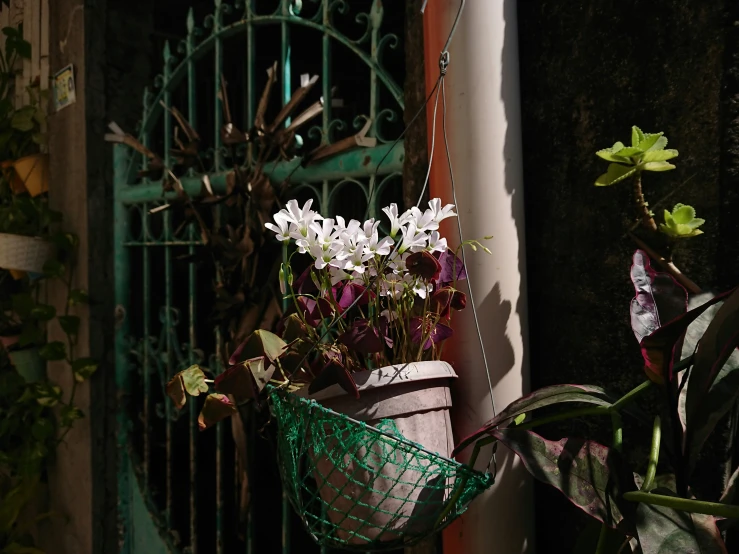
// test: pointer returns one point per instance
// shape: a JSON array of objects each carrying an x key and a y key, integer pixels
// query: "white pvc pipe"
[{"x": 483, "y": 124}]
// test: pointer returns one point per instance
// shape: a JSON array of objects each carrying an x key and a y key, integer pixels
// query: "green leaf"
[
  {"x": 616, "y": 147},
  {"x": 83, "y": 368},
  {"x": 47, "y": 394},
  {"x": 611, "y": 157},
  {"x": 681, "y": 223},
  {"x": 615, "y": 173},
  {"x": 636, "y": 136},
  {"x": 43, "y": 312},
  {"x": 659, "y": 155},
  {"x": 652, "y": 141},
  {"x": 540, "y": 398},
  {"x": 216, "y": 408},
  {"x": 53, "y": 351},
  {"x": 259, "y": 343},
  {"x": 657, "y": 166},
  {"x": 190, "y": 381},
  {"x": 77, "y": 297},
  {"x": 53, "y": 268},
  {"x": 23, "y": 119},
  {"x": 69, "y": 414},
  {"x": 662, "y": 530},
  {"x": 70, "y": 324},
  {"x": 579, "y": 469},
  {"x": 630, "y": 151},
  {"x": 713, "y": 385}
]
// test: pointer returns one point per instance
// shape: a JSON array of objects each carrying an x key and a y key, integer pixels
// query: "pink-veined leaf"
[
  {"x": 713, "y": 385},
  {"x": 546, "y": 396}
]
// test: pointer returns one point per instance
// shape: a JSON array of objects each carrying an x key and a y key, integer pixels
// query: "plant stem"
[
  {"x": 641, "y": 204},
  {"x": 653, "y": 455},
  {"x": 618, "y": 431},
  {"x": 600, "y": 549},
  {"x": 629, "y": 396},
  {"x": 684, "y": 504}
]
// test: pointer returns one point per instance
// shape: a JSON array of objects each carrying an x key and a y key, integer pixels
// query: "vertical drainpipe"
[{"x": 484, "y": 130}]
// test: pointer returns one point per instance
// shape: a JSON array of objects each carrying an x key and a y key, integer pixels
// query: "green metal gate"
[{"x": 177, "y": 486}]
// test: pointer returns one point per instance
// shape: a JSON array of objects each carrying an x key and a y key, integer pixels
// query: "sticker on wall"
[{"x": 64, "y": 88}]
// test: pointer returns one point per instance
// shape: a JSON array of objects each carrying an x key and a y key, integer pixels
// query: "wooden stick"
[{"x": 667, "y": 265}]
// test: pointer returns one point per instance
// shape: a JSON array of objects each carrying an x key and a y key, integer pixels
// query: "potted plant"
[
  {"x": 23, "y": 160},
  {"x": 363, "y": 337},
  {"x": 26, "y": 242}
]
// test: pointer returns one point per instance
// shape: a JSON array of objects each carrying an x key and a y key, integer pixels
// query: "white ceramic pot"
[{"x": 23, "y": 253}]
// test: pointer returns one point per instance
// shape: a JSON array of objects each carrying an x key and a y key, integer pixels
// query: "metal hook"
[{"x": 454, "y": 25}]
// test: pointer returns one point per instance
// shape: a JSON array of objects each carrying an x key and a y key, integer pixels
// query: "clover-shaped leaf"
[
  {"x": 681, "y": 223},
  {"x": 216, "y": 408},
  {"x": 190, "y": 381}
]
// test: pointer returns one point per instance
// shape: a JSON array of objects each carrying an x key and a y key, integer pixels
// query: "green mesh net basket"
[{"x": 365, "y": 488}]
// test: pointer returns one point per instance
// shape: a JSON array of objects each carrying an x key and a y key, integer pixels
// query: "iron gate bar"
[
  {"x": 357, "y": 163},
  {"x": 324, "y": 179}
]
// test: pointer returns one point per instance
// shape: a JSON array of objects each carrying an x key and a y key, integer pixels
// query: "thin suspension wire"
[{"x": 493, "y": 460}]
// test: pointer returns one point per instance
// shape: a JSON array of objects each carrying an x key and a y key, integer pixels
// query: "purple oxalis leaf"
[
  {"x": 362, "y": 337},
  {"x": 216, "y": 408},
  {"x": 334, "y": 373},
  {"x": 305, "y": 284},
  {"x": 351, "y": 292},
  {"x": 451, "y": 268},
  {"x": 434, "y": 333},
  {"x": 314, "y": 311},
  {"x": 423, "y": 264}
]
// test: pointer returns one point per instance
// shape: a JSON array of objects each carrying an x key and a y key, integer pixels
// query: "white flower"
[
  {"x": 397, "y": 262},
  {"x": 418, "y": 286},
  {"x": 323, "y": 256},
  {"x": 337, "y": 275},
  {"x": 413, "y": 239},
  {"x": 440, "y": 214},
  {"x": 301, "y": 219},
  {"x": 342, "y": 227},
  {"x": 325, "y": 235},
  {"x": 282, "y": 229},
  {"x": 355, "y": 261},
  {"x": 424, "y": 220},
  {"x": 436, "y": 243},
  {"x": 379, "y": 247},
  {"x": 396, "y": 221}
]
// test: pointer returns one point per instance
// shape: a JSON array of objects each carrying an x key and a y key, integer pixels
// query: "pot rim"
[{"x": 397, "y": 374}]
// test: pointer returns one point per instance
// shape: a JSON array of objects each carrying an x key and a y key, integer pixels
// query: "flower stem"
[
  {"x": 684, "y": 504},
  {"x": 653, "y": 456},
  {"x": 629, "y": 396}
]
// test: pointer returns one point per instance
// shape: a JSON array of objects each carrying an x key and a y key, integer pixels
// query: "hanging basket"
[
  {"x": 23, "y": 253},
  {"x": 367, "y": 488}
]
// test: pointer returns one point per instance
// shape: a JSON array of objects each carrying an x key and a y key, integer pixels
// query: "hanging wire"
[{"x": 493, "y": 461}]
